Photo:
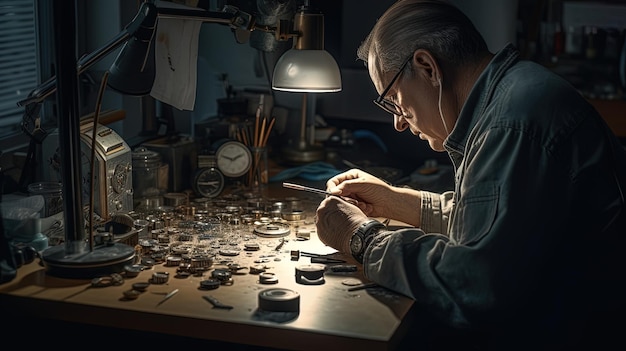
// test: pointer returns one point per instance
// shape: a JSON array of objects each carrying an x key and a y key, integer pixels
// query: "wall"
[{"x": 346, "y": 26}]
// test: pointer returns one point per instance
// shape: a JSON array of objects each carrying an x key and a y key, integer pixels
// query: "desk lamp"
[
  {"x": 306, "y": 68},
  {"x": 132, "y": 73}
]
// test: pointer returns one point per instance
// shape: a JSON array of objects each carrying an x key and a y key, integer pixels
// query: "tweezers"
[
  {"x": 317, "y": 258},
  {"x": 305, "y": 188},
  {"x": 168, "y": 296}
]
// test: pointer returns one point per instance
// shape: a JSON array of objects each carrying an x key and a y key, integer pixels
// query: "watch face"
[
  {"x": 356, "y": 244},
  {"x": 208, "y": 182},
  {"x": 233, "y": 158}
]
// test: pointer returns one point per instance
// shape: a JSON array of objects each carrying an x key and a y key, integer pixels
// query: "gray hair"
[{"x": 433, "y": 25}]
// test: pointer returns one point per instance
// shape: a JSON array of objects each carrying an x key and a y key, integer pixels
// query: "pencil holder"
[{"x": 259, "y": 175}]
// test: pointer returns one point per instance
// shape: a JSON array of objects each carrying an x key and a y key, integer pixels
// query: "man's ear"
[{"x": 426, "y": 65}]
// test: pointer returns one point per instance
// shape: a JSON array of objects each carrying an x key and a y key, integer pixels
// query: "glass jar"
[
  {"x": 150, "y": 175},
  {"x": 52, "y": 193}
]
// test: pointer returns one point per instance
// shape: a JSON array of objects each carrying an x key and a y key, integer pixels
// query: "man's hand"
[{"x": 336, "y": 220}]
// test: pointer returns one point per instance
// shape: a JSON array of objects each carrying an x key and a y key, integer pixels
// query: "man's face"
[{"x": 418, "y": 100}]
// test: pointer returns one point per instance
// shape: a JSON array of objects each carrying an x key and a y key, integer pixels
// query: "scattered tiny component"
[
  {"x": 303, "y": 235},
  {"x": 363, "y": 286},
  {"x": 141, "y": 286},
  {"x": 258, "y": 269},
  {"x": 223, "y": 275},
  {"x": 268, "y": 278},
  {"x": 280, "y": 245},
  {"x": 109, "y": 280},
  {"x": 216, "y": 303},
  {"x": 228, "y": 252},
  {"x": 147, "y": 261},
  {"x": 293, "y": 216},
  {"x": 101, "y": 282},
  {"x": 236, "y": 268},
  {"x": 343, "y": 268},
  {"x": 131, "y": 294},
  {"x": 160, "y": 277},
  {"x": 252, "y": 247},
  {"x": 352, "y": 282},
  {"x": 182, "y": 274},
  {"x": 210, "y": 284},
  {"x": 295, "y": 255},
  {"x": 132, "y": 270},
  {"x": 272, "y": 229},
  {"x": 326, "y": 260},
  {"x": 168, "y": 296},
  {"x": 173, "y": 261},
  {"x": 315, "y": 258}
]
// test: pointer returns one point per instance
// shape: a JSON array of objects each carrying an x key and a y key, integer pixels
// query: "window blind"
[{"x": 18, "y": 60}]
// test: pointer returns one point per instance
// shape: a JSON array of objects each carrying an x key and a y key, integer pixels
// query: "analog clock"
[
  {"x": 208, "y": 182},
  {"x": 233, "y": 158}
]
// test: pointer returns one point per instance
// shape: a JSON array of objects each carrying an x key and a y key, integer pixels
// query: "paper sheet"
[{"x": 176, "y": 56}]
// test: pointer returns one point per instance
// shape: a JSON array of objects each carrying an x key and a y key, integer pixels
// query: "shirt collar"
[{"x": 479, "y": 97}]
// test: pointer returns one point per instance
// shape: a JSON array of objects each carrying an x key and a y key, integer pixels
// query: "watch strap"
[{"x": 367, "y": 231}]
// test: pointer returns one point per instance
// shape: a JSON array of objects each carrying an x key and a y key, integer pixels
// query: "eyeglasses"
[{"x": 386, "y": 104}]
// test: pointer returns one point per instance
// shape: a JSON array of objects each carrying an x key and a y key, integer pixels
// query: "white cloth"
[{"x": 175, "y": 58}]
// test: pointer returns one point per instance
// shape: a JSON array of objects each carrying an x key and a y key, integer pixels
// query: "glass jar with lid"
[{"x": 150, "y": 175}]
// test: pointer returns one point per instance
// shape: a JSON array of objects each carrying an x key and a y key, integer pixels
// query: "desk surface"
[{"x": 330, "y": 314}]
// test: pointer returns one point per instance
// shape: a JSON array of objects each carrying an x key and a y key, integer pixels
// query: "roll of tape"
[
  {"x": 279, "y": 300},
  {"x": 310, "y": 274}
]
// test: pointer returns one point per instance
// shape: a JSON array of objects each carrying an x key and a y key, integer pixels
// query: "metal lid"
[{"x": 142, "y": 157}]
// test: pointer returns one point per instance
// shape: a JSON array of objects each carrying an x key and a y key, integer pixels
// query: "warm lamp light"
[
  {"x": 307, "y": 67},
  {"x": 307, "y": 71}
]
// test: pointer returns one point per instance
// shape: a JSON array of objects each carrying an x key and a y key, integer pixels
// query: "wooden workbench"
[{"x": 330, "y": 316}]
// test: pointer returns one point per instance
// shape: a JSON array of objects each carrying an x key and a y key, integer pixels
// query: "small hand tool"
[
  {"x": 305, "y": 188},
  {"x": 316, "y": 191},
  {"x": 318, "y": 258},
  {"x": 168, "y": 296},
  {"x": 216, "y": 303},
  {"x": 363, "y": 286}
]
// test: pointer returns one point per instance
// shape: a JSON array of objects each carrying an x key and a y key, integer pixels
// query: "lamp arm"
[
  {"x": 143, "y": 27},
  {"x": 47, "y": 88},
  {"x": 143, "y": 24}
]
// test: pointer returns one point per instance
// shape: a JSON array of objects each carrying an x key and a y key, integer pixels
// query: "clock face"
[
  {"x": 233, "y": 158},
  {"x": 356, "y": 244},
  {"x": 208, "y": 182}
]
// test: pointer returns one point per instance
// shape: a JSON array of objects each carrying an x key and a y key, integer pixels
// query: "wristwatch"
[{"x": 363, "y": 236}]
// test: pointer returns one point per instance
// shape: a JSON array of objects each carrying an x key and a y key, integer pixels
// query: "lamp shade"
[
  {"x": 314, "y": 71},
  {"x": 133, "y": 71}
]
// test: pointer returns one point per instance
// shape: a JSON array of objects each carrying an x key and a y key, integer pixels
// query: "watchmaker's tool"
[
  {"x": 216, "y": 303},
  {"x": 168, "y": 296},
  {"x": 305, "y": 188}
]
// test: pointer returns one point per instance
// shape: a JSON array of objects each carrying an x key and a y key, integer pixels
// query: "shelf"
[{"x": 614, "y": 113}]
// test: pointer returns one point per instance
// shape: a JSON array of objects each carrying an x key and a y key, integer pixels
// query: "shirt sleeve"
[
  {"x": 487, "y": 257},
  {"x": 436, "y": 209}
]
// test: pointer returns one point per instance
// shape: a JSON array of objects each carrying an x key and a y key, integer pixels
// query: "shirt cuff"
[{"x": 435, "y": 212}]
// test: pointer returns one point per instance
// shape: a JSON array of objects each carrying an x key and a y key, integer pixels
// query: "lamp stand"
[
  {"x": 303, "y": 151},
  {"x": 75, "y": 258}
]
